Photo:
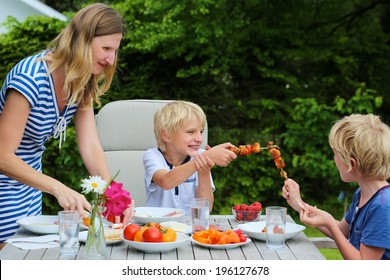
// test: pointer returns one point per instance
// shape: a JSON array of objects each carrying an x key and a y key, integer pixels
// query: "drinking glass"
[
  {"x": 200, "y": 211},
  {"x": 275, "y": 227},
  {"x": 69, "y": 225}
]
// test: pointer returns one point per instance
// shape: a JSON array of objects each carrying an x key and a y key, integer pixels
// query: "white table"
[{"x": 297, "y": 248}]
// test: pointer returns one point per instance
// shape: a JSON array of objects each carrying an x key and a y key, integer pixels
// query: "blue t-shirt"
[
  {"x": 370, "y": 224},
  {"x": 179, "y": 197}
]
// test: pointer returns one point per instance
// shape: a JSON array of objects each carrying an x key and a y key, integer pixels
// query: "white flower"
[{"x": 95, "y": 184}]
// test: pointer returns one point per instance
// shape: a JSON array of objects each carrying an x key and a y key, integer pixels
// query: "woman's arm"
[
  {"x": 92, "y": 153},
  {"x": 12, "y": 125},
  {"x": 89, "y": 145}
]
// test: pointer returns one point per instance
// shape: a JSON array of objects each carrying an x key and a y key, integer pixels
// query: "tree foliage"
[{"x": 280, "y": 71}]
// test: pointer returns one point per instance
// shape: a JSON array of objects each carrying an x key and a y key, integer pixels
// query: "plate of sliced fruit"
[
  {"x": 218, "y": 240},
  {"x": 222, "y": 246}
]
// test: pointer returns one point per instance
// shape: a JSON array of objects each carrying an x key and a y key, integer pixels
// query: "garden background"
[{"x": 262, "y": 70}]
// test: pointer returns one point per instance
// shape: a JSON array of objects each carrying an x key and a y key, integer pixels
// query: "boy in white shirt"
[{"x": 179, "y": 170}]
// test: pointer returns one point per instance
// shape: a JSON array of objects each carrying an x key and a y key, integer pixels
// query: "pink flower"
[{"x": 117, "y": 199}]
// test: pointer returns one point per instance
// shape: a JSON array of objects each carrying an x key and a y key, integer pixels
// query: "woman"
[{"x": 38, "y": 99}]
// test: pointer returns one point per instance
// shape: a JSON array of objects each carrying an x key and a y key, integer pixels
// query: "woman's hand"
[
  {"x": 128, "y": 214},
  {"x": 69, "y": 199}
]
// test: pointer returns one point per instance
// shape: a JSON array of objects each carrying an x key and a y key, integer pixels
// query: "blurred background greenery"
[{"x": 262, "y": 70}]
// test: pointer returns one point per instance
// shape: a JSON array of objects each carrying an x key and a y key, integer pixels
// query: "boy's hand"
[
  {"x": 203, "y": 164},
  {"x": 315, "y": 217},
  {"x": 220, "y": 154},
  {"x": 291, "y": 193}
]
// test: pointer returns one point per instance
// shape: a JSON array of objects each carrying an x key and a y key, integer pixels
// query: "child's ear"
[
  {"x": 353, "y": 162},
  {"x": 164, "y": 135}
]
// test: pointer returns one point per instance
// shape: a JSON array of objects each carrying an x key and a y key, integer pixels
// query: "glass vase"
[{"x": 96, "y": 248}]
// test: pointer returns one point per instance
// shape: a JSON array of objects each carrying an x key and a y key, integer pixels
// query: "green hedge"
[{"x": 259, "y": 77}]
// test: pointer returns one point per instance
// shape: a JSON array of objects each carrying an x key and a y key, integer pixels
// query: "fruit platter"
[
  {"x": 153, "y": 237},
  {"x": 214, "y": 239}
]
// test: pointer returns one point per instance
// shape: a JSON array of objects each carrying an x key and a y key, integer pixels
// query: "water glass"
[
  {"x": 275, "y": 227},
  {"x": 69, "y": 225},
  {"x": 200, "y": 211}
]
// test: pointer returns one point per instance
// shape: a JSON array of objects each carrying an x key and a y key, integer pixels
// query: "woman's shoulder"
[{"x": 30, "y": 65}]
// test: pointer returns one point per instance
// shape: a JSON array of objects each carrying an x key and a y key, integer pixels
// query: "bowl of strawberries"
[{"x": 247, "y": 213}]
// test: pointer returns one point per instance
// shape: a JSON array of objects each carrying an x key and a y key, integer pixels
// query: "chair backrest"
[{"x": 125, "y": 129}]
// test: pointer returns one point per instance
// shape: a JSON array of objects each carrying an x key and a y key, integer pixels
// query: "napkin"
[{"x": 48, "y": 241}]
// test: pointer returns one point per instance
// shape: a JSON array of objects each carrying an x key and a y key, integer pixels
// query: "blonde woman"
[
  {"x": 39, "y": 97},
  {"x": 179, "y": 170}
]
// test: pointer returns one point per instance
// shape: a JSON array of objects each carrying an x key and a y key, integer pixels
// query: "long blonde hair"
[{"x": 72, "y": 50}]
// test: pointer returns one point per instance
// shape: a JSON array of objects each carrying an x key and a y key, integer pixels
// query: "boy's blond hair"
[
  {"x": 366, "y": 139},
  {"x": 172, "y": 116}
]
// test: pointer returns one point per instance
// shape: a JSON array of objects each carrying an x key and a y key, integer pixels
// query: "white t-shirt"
[{"x": 179, "y": 197}]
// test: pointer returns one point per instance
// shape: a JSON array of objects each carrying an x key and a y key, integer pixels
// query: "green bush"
[{"x": 258, "y": 77}]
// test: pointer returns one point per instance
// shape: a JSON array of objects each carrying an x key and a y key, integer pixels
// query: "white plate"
[
  {"x": 146, "y": 215},
  {"x": 254, "y": 230},
  {"x": 42, "y": 224},
  {"x": 84, "y": 234},
  {"x": 221, "y": 246},
  {"x": 178, "y": 227},
  {"x": 159, "y": 247}
]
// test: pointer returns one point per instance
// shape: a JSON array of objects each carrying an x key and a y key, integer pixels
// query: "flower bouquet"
[{"x": 109, "y": 198}]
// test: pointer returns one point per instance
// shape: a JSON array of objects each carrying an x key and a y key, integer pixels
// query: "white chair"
[{"x": 125, "y": 129}]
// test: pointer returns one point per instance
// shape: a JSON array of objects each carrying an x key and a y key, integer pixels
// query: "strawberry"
[
  {"x": 240, "y": 235},
  {"x": 250, "y": 217},
  {"x": 240, "y": 216},
  {"x": 242, "y": 238},
  {"x": 243, "y": 207},
  {"x": 236, "y": 207}
]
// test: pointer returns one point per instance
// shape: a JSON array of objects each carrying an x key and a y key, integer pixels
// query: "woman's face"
[{"x": 104, "y": 50}]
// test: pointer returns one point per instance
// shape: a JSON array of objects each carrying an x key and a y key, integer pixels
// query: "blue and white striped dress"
[{"x": 29, "y": 77}]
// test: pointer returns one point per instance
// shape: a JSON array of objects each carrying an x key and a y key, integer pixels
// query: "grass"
[{"x": 329, "y": 254}]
